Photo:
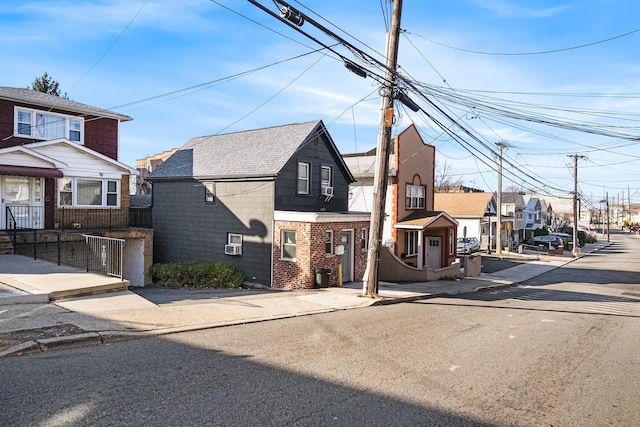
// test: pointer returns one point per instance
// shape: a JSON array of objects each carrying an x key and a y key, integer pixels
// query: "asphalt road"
[{"x": 561, "y": 349}]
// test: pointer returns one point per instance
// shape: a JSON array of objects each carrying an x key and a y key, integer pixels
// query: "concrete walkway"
[{"x": 30, "y": 323}]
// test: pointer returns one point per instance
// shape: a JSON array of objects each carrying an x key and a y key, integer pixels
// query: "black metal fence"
[
  {"x": 32, "y": 217},
  {"x": 89, "y": 253}
]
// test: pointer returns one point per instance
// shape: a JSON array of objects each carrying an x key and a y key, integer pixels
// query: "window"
[
  {"x": 23, "y": 122},
  {"x": 89, "y": 192},
  {"x": 85, "y": 192},
  {"x": 17, "y": 189},
  {"x": 75, "y": 130},
  {"x": 328, "y": 242},
  {"x": 411, "y": 243},
  {"x": 364, "y": 239},
  {"x": 325, "y": 176},
  {"x": 65, "y": 193},
  {"x": 304, "y": 180},
  {"x": 209, "y": 192},
  {"x": 415, "y": 197},
  {"x": 451, "y": 243},
  {"x": 288, "y": 244},
  {"x": 234, "y": 239},
  {"x": 112, "y": 193},
  {"x": 37, "y": 190},
  {"x": 44, "y": 125}
]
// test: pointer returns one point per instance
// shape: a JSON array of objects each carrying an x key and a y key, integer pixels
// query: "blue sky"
[{"x": 198, "y": 67}]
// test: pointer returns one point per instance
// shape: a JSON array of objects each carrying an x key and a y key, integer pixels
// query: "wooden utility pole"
[
  {"x": 499, "y": 202},
  {"x": 608, "y": 219},
  {"x": 629, "y": 202},
  {"x": 370, "y": 282},
  {"x": 576, "y": 246}
]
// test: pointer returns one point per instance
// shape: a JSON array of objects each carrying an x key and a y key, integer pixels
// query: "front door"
[
  {"x": 347, "y": 256},
  {"x": 21, "y": 202},
  {"x": 434, "y": 252}
]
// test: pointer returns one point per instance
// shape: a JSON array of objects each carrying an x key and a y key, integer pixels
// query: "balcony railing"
[{"x": 33, "y": 218}]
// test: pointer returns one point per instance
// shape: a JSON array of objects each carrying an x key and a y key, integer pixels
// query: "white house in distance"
[{"x": 475, "y": 213}]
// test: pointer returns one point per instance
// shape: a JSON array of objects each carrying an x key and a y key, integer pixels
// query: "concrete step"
[{"x": 116, "y": 286}]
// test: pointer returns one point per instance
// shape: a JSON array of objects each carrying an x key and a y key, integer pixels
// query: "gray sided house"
[{"x": 220, "y": 197}]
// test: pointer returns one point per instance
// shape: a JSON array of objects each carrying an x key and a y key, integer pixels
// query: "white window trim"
[
  {"x": 209, "y": 192},
  {"x": 232, "y": 239},
  {"x": 74, "y": 193},
  {"x": 409, "y": 236},
  {"x": 364, "y": 239},
  {"x": 32, "y": 112},
  {"x": 452, "y": 243},
  {"x": 414, "y": 200},
  {"x": 328, "y": 235},
  {"x": 283, "y": 244},
  {"x": 324, "y": 182},
  {"x": 308, "y": 178}
]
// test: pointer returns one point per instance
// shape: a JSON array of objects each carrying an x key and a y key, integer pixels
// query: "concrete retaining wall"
[{"x": 392, "y": 269}]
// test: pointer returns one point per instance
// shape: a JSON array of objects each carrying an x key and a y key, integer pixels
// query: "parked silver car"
[
  {"x": 468, "y": 245},
  {"x": 550, "y": 239}
]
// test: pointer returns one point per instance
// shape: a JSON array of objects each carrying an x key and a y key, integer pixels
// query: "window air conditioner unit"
[
  {"x": 327, "y": 191},
  {"x": 232, "y": 249}
]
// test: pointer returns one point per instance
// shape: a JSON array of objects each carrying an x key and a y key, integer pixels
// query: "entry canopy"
[{"x": 30, "y": 171}]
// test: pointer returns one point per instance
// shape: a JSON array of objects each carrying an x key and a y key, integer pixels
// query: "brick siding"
[{"x": 311, "y": 253}]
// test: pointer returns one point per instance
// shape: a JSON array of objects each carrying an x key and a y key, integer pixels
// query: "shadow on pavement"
[{"x": 184, "y": 384}]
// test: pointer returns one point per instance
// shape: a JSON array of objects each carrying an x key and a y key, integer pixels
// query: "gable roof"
[
  {"x": 364, "y": 166},
  {"x": 465, "y": 204},
  {"x": 511, "y": 197},
  {"x": 55, "y": 156},
  {"x": 41, "y": 99},
  {"x": 420, "y": 220},
  {"x": 246, "y": 154}
]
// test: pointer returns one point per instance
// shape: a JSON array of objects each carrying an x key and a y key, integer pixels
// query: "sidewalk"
[{"x": 28, "y": 323}]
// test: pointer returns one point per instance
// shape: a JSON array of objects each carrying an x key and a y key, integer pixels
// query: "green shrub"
[
  {"x": 582, "y": 238},
  {"x": 540, "y": 232},
  {"x": 197, "y": 275}
]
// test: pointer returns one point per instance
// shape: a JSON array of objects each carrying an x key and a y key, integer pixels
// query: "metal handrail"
[{"x": 105, "y": 255}]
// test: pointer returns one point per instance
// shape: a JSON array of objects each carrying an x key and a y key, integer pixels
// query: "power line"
[{"x": 544, "y": 52}]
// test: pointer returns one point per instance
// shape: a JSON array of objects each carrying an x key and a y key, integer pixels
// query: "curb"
[{"x": 109, "y": 337}]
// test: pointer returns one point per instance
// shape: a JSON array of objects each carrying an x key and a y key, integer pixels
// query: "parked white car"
[{"x": 468, "y": 245}]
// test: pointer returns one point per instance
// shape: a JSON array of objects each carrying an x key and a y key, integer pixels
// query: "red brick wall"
[
  {"x": 292, "y": 274},
  {"x": 101, "y": 135},
  {"x": 311, "y": 253}
]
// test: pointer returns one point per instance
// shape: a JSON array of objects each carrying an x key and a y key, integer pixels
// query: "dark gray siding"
[
  {"x": 186, "y": 228},
  {"x": 317, "y": 154}
]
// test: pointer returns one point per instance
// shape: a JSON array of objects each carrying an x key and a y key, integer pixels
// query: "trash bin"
[{"x": 322, "y": 277}]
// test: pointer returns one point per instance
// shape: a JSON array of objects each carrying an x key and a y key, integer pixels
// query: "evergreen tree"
[{"x": 46, "y": 84}]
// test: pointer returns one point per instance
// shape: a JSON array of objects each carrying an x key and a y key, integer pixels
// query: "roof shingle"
[
  {"x": 34, "y": 97},
  {"x": 245, "y": 154}
]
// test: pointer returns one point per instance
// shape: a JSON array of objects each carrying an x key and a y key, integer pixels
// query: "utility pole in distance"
[
  {"x": 576, "y": 248},
  {"x": 500, "y": 145},
  {"x": 370, "y": 282},
  {"x": 608, "y": 219}
]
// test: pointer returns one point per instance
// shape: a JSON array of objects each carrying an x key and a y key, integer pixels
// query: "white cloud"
[{"x": 505, "y": 8}]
